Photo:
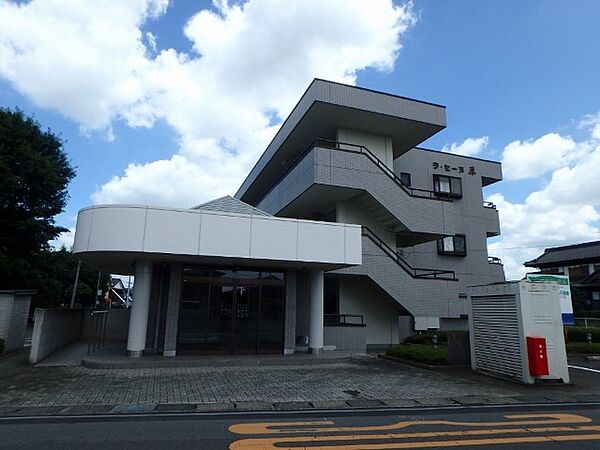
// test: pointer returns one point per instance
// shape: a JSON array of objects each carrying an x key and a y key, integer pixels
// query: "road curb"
[{"x": 287, "y": 406}]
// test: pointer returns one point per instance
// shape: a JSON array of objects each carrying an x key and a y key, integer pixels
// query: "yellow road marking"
[
  {"x": 317, "y": 427},
  {"x": 269, "y": 443}
]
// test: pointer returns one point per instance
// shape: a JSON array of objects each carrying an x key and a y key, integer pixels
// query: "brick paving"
[{"x": 23, "y": 385}]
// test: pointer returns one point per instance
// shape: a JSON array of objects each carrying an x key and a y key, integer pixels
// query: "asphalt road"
[{"x": 531, "y": 427}]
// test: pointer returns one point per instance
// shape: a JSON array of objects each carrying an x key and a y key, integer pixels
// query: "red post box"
[{"x": 538, "y": 356}]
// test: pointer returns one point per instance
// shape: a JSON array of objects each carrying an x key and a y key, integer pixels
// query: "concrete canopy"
[
  {"x": 112, "y": 237},
  {"x": 326, "y": 107}
]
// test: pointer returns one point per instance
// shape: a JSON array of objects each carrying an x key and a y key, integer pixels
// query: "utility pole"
[{"x": 75, "y": 285}]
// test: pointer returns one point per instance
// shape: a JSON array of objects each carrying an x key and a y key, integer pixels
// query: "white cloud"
[
  {"x": 468, "y": 147},
  {"x": 250, "y": 62},
  {"x": 533, "y": 158},
  {"x": 564, "y": 211},
  {"x": 64, "y": 239}
]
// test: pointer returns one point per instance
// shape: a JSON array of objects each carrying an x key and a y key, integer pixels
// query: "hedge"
[
  {"x": 425, "y": 338},
  {"x": 583, "y": 348},
  {"x": 579, "y": 334},
  {"x": 421, "y": 353}
]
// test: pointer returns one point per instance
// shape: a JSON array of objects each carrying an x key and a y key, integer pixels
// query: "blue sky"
[{"x": 521, "y": 72}]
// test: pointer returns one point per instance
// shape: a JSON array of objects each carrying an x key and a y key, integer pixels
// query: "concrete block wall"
[
  {"x": 420, "y": 297},
  {"x": 470, "y": 216},
  {"x": 346, "y": 338},
  {"x": 14, "y": 310},
  {"x": 54, "y": 329},
  {"x": 117, "y": 325}
]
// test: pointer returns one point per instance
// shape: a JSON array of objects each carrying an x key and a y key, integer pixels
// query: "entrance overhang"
[{"x": 112, "y": 237}]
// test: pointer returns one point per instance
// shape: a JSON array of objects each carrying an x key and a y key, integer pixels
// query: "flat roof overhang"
[
  {"x": 112, "y": 237},
  {"x": 327, "y": 106}
]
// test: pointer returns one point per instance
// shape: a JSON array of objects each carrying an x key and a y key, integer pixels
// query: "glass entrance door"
[{"x": 220, "y": 316}]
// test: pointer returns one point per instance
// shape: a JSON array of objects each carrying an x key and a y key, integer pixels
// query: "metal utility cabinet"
[{"x": 517, "y": 331}]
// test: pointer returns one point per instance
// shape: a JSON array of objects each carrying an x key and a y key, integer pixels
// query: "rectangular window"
[
  {"x": 452, "y": 245},
  {"x": 447, "y": 186},
  {"x": 405, "y": 178}
]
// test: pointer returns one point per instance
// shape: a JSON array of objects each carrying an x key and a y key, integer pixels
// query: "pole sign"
[{"x": 566, "y": 306}]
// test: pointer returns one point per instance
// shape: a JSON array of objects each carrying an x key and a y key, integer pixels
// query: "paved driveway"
[{"x": 24, "y": 385}]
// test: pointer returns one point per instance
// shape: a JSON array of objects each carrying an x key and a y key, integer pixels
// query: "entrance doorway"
[{"x": 227, "y": 311}]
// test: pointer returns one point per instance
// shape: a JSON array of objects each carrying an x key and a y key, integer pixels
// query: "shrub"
[
  {"x": 425, "y": 338},
  {"x": 583, "y": 348},
  {"x": 579, "y": 334},
  {"x": 420, "y": 353}
]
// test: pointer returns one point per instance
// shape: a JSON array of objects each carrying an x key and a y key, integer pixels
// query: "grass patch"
[
  {"x": 583, "y": 348},
  {"x": 421, "y": 353}
]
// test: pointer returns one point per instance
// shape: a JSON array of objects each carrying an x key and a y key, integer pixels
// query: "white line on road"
[{"x": 588, "y": 369}]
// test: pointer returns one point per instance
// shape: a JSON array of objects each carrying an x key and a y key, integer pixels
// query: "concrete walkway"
[{"x": 306, "y": 384}]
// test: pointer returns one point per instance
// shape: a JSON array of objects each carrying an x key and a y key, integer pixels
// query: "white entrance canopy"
[{"x": 112, "y": 237}]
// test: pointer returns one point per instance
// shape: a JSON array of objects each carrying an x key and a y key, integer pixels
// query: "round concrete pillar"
[
  {"x": 138, "y": 319},
  {"x": 315, "y": 329}
]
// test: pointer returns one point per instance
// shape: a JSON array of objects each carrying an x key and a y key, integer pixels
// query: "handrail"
[
  {"x": 414, "y": 272},
  {"x": 489, "y": 205},
  {"x": 358, "y": 149},
  {"x": 342, "y": 320},
  {"x": 494, "y": 260}
]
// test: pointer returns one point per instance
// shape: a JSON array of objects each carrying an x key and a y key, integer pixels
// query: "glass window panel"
[
  {"x": 448, "y": 244},
  {"x": 459, "y": 244},
  {"x": 270, "y": 334},
  {"x": 405, "y": 178},
  {"x": 456, "y": 186},
  {"x": 193, "y": 310}
]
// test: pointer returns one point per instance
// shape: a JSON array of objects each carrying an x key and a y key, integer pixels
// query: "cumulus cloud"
[
  {"x": 534, "y": 158},
  {"x": 249, "y": 64},
  {"x": 468, "y": 147},
  {"x": 64, "y": 239},
  {"x": 564, "y": 211}
]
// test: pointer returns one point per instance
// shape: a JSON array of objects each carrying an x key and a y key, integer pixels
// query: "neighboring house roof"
[
  {"x": 116, "y": 283},
  {"x": 568, "y": 255},
  {"x": 230, "y": 204},
  {"x": 592, "y": 280}
]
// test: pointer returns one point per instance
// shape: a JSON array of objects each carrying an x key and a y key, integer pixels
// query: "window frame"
[
  {"x": 405, "y": 175},
  {"x": 454, "y": 251},
  {"x": 452, "y": 182}
]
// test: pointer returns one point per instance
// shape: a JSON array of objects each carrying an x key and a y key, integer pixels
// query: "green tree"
[
  {"x": 56, "y": 277},
  {"x": 34, "y": 175}
]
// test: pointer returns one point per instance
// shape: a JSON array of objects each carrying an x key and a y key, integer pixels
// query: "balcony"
[
  {"x": 492, "y": 220},
  {"x": 496, "y": 268},
  {"x": 329, "y": 171}
]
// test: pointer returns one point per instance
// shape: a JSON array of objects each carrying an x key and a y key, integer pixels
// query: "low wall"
[
  {"x": 14, "y": 309},
  {"x": 54, "y": 329},
  {"x": 346, "y": 338},
  {"x": 117, "y": 325}
]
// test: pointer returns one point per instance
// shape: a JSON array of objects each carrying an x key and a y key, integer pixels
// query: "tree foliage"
[{"x": 34, "y": 175}]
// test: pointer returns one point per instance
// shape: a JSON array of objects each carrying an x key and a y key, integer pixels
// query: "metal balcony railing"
[
  {"x": 415, "y": 272},
  {"x": 361, "y": 150},
  {"x": 494, "y": 260}
]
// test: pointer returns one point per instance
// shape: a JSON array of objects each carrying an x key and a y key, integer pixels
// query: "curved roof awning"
[{"x": 112, "y": 237}]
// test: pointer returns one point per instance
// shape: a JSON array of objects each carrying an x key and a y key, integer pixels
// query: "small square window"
[
  {"x": 452, "y": 245},
  {"x": 405, "y": 178}
]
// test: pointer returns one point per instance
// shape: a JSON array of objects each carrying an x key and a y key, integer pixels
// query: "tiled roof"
[
  {"x": 230, "y": 204},
  {"x": 587, "y": 252}
]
